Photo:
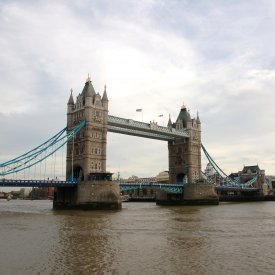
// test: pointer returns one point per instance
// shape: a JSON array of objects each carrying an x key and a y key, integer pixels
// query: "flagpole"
[
  {"x": 141, "y": 111},
  {"x": 162, "y": 119}
]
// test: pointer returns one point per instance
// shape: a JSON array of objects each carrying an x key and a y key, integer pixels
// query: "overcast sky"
[{"x": 217, "y": 57}]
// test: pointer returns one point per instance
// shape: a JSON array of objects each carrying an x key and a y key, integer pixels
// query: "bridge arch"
[
  {"x": 181, "y": 178},
  {"x": 78, "y": 173}
]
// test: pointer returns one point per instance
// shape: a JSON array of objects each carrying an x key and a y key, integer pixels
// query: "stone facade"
[
  {"x": 193, "y": 194},
  {"x": 86, "y": 155},
  {"x": 205, "y": 193},
  {"x": 185, "y": 153}
]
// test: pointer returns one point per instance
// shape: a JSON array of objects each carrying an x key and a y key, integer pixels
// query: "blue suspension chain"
[{"x": 58, "y": 139}]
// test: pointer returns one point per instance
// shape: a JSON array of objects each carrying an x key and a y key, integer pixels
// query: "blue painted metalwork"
[
  {"x": 31, "y": 152},
  {"x": 172, "y": 188},
  {"x": 29, "y": 159},
  {"x": 228, "y": 182},
  {"x": 36, "y": 183}
]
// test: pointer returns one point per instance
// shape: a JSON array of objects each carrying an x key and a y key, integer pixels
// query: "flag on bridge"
[{"x": 138, "y": 110}]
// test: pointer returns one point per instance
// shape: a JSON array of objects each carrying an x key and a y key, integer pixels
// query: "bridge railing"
[
  {"x": 36, "y": 183},
  {"x": 173, "y": 188}
]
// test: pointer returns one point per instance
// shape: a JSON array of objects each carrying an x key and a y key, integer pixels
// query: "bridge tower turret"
[
  {"x": 87, "y": 151},
  {"x": 185, "y": 164},
  {"x": 70, "y": 109},
  {"x": 185, "y": 153},
  {"x": 86, "y": 155}
]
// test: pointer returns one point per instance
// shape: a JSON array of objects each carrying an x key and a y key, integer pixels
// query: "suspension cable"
[{"x": 54, "y": 146}]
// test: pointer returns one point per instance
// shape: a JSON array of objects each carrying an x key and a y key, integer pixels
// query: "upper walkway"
[{"x": 146, "y": 130}]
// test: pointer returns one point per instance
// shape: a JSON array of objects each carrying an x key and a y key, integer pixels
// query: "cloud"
[{"x": 216, "y": 57}]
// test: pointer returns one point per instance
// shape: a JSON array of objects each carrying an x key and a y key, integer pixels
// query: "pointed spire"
[
  {"x": 169, "y": 122},
  {"x": 183, "y": 106},
  {"x": 88, "y": 89},
  {"x": 71, "y": 99},
  {"x": 105, "y": 97},
  {"x": 188, "y": 115},
  {"x": 198, "y": 118},
  {"x": 88, "y": 78}
]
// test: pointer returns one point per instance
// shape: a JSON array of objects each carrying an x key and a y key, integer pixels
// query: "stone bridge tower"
[
  {"x": 86, "y": 155},
  {"x": 185, "y": 165},
  {"x": 185, "y": 153}
]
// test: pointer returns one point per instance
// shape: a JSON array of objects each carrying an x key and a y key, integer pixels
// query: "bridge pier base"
[
  {"x": 193, "y": 194},
  {"x": 89, "y": 195}
]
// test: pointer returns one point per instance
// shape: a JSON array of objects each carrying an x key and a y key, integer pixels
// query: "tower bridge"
[
  {"x": 91, "y": 187},
  {"x": 86, "y": 153}
]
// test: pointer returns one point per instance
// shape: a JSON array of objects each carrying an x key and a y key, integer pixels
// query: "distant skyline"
[{"x": 216, "y": 57}]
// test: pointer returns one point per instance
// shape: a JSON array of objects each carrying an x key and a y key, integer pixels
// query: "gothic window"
[{"x": 97, "y": 102}]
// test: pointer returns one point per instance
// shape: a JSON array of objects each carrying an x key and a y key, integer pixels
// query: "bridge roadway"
[
  {"x": 174, "y": 188},
  {"x": 147, "y": 130},
  {"x": 125, "y": 186},
  {"x": 36, "y": 183}
]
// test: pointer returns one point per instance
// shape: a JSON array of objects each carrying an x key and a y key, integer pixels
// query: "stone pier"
[
  {"x": 185, "y": 165},
  {"x": 89, "y": 195},
  {"x": 193, "y": 194}
]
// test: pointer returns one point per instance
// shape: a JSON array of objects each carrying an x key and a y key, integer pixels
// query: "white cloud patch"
[{"x": 216, "y": 57}]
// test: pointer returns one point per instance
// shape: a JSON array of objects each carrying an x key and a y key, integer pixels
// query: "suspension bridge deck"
[
  {"x": 36, "y": 183},
  {"x": 173, "y": 188}
]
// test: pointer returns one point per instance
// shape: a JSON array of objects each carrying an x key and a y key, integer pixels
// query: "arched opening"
[
  {"x": 181, "y": 178},
  {"x": 78, "y": 173}
]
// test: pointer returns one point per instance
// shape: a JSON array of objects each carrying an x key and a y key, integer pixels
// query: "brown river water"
[{"x": 142, "y": 238}]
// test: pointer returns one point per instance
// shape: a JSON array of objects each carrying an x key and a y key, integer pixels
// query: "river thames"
[{"x": 142, "y": 238}]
